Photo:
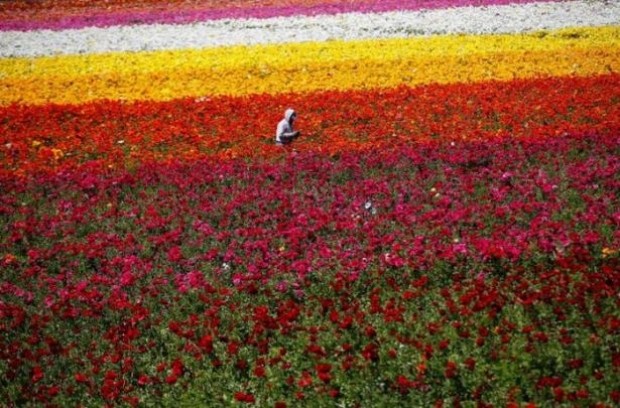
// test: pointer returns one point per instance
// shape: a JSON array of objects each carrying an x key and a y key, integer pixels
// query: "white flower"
[
  {"x": 369, "y": 207},
  {"x": 512, "y": 18}
]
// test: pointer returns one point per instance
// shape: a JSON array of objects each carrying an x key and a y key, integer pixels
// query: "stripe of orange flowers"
[{"x": 50, "y": 137}]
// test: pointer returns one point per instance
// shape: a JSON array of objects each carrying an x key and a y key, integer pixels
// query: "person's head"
[{"x": 290, "y": 115}]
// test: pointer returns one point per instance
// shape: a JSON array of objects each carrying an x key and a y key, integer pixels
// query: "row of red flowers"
[
  {"x": 51, "y": 138},
  {"x": 448, "y": 272}
]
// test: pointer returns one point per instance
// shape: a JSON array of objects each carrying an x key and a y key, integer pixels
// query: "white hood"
[{"x": 288, "y": 114}]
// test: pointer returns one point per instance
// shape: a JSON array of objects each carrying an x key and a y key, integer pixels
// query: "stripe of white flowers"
[{"x": 513, "y": 18}]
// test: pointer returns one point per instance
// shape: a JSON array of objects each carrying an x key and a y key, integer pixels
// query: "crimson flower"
[
  {"x": 324, "y": 372},
  {"x": 451, "y": 369},
  {"x": 305, "y": 380},
  {"x": 80, "y": 378},
  {"x": 37, "y": 374},
  {"x": 244, "y": 397}
]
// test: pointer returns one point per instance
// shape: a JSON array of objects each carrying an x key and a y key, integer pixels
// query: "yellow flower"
[
  {"x": 57, "y": 153},
  {"x": 305, "y": 67}
]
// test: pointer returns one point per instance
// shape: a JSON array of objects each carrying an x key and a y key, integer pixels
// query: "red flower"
[
  {"x": 370, "y": 331},
  {"x": 233, "y": 347},
  {"x": 324, "y": 372},
  {"x": 404, "y": 384},
  {"x": 241, "y": 364},
  {"x": 53, "y": 391},
  {"x": 615, "y": 359},
  {"x": 549, "y": 382},
  {"x": 174, "y": 254},
  {"x": 451, "y": 369},
  {"x": 259, "y": 371},
  {"x": 177, "y": 367},
  {"x": 575, "y": 363},
  {"x": 143, "y": 379},
  {"x": 316, "y": 349},
  {"x": 421, "y": 282},
  {"x": 245, "y": 397},
  {"x": 334, "y": 392},
  {"x": 37, "y": 374},
  {"x": 206, "y": 343},
  {"x": 582, "y": 393},
  {"x": 470, "y": 363},
  {"x": 305, "y": 380},
  {"x": 558, "y": 394},
  {"x": 80, "y": 378},
  {"x": 371, "y": 352},
  {"x": 132, "y": 401}
]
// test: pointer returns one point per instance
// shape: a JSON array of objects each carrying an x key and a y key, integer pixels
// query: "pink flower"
[
  {"x": 282, "y": 286},
  {"x": 506, "y": 177}
]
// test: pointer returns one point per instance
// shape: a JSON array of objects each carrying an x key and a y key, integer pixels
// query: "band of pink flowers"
[{"x": 25, "y": 21}]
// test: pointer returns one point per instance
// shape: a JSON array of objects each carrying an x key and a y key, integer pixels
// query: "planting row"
[
  {"x": 167, "y": 75},
  {"x": 115, "y": 134},
  {"x": 509, "y": 19},
  {"x": 446, "y": 273},
  {"x": 78, "y": 14}
]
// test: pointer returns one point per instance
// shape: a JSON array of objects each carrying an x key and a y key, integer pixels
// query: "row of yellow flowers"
[{"x": 305, "y": 67}]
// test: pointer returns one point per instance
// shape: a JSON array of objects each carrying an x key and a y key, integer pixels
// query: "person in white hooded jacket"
[{"x": 286, "y": 133}]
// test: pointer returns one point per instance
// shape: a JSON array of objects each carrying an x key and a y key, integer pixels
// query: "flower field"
[{"x": 445, "y": 232}]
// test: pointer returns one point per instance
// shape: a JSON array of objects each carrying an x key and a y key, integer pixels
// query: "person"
[{"x": 285, "y": 132}]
